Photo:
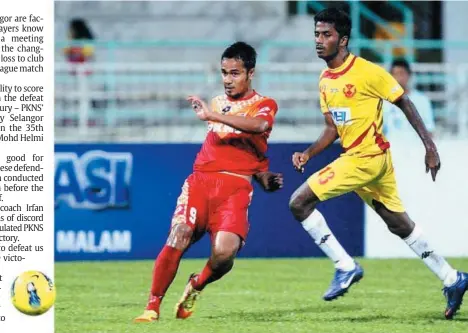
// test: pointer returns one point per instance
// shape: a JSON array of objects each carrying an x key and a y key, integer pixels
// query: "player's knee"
[
  {"x": 299, "y": 207},
  {"x": 225, "y": 253},
  {"x": 295, "y": 205},
  {"x": 302, "y": 202},
  {"x": 401, "y": 229},
  {"x": 397, "y": 223},
  {"x": 180, "y": 236}
]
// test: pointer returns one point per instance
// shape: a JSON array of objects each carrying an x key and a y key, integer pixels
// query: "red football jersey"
[{"x": 231, "y": 150}]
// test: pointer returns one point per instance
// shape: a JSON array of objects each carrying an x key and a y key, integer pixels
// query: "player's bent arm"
[
  {"x": 254, "y": 125},
  {"x": 414, "y": 118},
  {"x": 328, "y": 136}
]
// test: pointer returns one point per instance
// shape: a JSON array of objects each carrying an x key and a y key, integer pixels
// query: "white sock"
[
  {"x": 437, "y": 264},
  {"x": 318, "y": 229}
]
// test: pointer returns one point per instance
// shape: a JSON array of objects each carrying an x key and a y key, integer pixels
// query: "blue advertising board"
[{"x": 115, "y": 202}]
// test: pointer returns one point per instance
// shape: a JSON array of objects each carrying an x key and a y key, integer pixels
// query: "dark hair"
[
  {"x": 339, "y": 18},
  {"x": 80, "y": 29},
  {"x": 242, "y": 51},
  {"x": 402, "y": 63}
]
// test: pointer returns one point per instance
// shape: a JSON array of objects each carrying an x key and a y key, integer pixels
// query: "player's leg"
[
  {"x": 228, "y": 226},
  {"x": 338, "y": 178},
  {"x": 303, "y": 204},
  {"x": 185, "y": 230},
  {"x": 384, "y": 199},
  {"x": 165, "y": 270},
  {"x": 224, "y": 249},
  {"x": 455, "y": 283}
]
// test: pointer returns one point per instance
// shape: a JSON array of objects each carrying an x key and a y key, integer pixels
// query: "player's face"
[
  {"x": 401, "y": 75},
  {"x": 327, "y": 40},
  {"x": 236, "y": 79}
]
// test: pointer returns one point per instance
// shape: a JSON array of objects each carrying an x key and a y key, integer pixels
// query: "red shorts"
[{"x": 212, "y": 201}]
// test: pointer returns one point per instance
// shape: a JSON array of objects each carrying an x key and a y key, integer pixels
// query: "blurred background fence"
[{"x": 146, "y": 57}]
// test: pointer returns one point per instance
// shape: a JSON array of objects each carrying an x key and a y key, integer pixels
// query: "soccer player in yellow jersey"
[{"x": 352, "y": 91}]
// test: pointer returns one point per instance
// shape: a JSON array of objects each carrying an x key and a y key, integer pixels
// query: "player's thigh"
[
  {"x": 345, "y": 174},
  {"x": 191, "y": 212},
  {"x": 231, "y": 214},
  {"x": 383, "y": 191}
]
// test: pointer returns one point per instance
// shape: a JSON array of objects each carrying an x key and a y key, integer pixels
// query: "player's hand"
[
  {"x": 299, "y": 160},
  {"x": 200, "y": 107},
  {"x": 432, "y": 162},
  {"x": 270, "y": 181}
]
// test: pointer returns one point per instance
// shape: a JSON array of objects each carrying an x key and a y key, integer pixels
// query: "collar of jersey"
[{"x": 343, "y": 65}]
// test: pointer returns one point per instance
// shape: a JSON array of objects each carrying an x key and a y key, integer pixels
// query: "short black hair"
[
  {"x": 402, "y": 63},
  {"x": 242, "y": 51},
  {"x": 338, "y": 17},
  {"x": 80, "y": 29}
]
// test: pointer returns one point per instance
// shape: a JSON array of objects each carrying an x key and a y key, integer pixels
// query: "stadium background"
[
  {"x": 126, "y": 139},
  {"x": 122, "y": 124}
]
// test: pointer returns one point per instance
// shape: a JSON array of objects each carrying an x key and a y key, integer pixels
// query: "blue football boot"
[
  {"x": 342, "y": 281},
  {"x": 454, "y": 294}
]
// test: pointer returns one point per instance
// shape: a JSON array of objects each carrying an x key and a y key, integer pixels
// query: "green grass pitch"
[{"x": 258, "y": 295}]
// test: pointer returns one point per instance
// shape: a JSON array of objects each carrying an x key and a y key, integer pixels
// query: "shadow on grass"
[{"x": 288, "y": 314}]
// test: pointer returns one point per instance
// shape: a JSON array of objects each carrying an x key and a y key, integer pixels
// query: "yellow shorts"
[{"x": 372, "y": 178}]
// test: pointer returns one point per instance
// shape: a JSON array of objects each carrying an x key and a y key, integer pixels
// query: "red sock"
[
  {"x": 165, "y": 269},
  {"x": 204, "y": 277}
]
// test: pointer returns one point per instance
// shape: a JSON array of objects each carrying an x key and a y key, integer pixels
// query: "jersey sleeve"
[
  {"x": 267, "y": 110},
  {"x": 323, "y": 96},
  {"x": 323, "y": 102},
  {"x": 213, "y": 105},
  {"x": 383, "y": 85}
]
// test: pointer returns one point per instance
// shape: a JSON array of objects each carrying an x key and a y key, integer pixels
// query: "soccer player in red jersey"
[{"x": 216, "y": 196}]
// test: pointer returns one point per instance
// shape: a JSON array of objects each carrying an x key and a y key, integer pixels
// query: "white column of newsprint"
[{"x": 41, "y": 261}]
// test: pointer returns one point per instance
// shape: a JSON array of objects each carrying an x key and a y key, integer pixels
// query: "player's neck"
[{"x": 339, "y": 59}]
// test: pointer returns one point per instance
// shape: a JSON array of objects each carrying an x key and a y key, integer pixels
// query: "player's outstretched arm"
[
  {"x": 244, "y": 124},
  {"x": 412, "y": 114},
  {"x": 328, "y": 136}
]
